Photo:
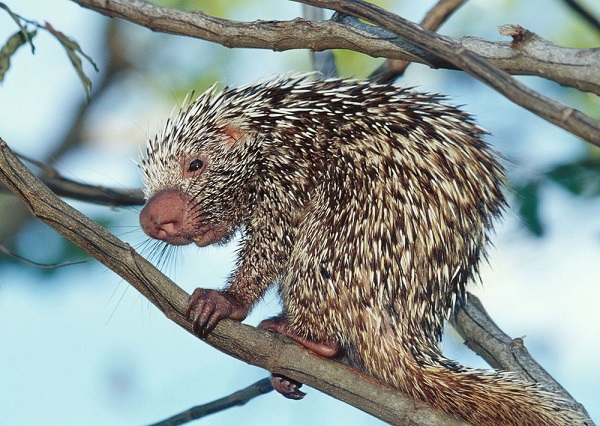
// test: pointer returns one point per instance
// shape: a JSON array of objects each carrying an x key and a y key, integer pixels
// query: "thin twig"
[
  {"x": 114, "y": 66},
  {"x": 238, "y": 398},
  {"x": 8, "y": 252},
  {"x": 96, "y": 194}
]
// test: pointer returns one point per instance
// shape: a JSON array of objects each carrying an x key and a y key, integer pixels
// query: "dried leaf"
[
  {"x": 73, "y": 51},
  {"x": 12, "y": 45},
  {"x": 26, "y": 35}
]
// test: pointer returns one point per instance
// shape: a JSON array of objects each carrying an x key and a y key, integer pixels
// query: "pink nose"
[{"x": 164, "y": 217}]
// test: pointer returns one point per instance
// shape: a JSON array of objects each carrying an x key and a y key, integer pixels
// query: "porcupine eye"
[{"x": 195, "y": 165}]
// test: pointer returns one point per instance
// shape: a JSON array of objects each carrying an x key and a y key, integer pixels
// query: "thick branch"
[
  {"x": 246, "y": 343},
  {"x": 569, "y": 67},
  {"x": 435, "y": 17}
]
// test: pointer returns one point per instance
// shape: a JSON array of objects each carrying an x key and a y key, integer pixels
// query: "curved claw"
[
  {"x": 287, "y": 387},
  {"x": 207, "y": 307}
]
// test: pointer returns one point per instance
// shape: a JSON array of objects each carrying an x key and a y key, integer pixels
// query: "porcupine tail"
[{"x": 479, "y": 397}]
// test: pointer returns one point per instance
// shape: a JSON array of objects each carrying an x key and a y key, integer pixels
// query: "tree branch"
[
  {"x": 486, "y": 339},
  {"x": 568, "y": 67},
  {"x": 96, "y": 194},
  {"x": 256, "y": 347},
  {"x": 235, "y": 399},
  {"x": 322, "y": 61},
  {"x": 391, "y": 69},
  {"x": 446, "y": 48},
  {"x": 584, "y": 14}
]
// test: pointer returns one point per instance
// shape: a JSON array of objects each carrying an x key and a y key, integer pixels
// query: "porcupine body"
[{"x": 367, "y": 205}]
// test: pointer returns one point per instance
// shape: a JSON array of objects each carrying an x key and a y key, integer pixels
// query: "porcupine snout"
[{"x": 165, "y": 217}]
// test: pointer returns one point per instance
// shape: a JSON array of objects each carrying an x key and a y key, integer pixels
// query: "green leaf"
[
  {"x": 26, "y": 35},
  {"x": 74, "y": 51},
  {"x": 528, "y": 200},
  {"x": 12, "y": 45},
  {"x": 581, "y": 177}
]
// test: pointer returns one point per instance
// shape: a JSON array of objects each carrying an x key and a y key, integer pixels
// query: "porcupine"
[{"x": 368, "y": 205}]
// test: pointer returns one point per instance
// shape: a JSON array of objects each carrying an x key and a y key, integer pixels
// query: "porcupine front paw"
[
  {"x": 290, "y": 388},
  {"x": 207, "y": 307}
]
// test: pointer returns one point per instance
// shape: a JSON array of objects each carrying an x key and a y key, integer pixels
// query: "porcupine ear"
[{"x": 235, "y": 135}]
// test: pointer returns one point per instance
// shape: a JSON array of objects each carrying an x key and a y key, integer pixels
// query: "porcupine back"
[{"x": 389, "y": 196}]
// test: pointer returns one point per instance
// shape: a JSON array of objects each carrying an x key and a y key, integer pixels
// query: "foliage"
[{"x": 23, "y": 36}]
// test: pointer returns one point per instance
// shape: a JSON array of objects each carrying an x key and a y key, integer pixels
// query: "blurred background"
[{"x": 79, "y": 346}]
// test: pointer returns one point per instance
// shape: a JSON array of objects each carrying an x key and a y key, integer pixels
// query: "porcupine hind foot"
[{"x": 290, "y": 388}]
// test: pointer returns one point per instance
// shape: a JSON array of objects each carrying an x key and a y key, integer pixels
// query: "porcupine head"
[
  {"x": 197, "y": 175},
  {"x": 374, "y": 199}
]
